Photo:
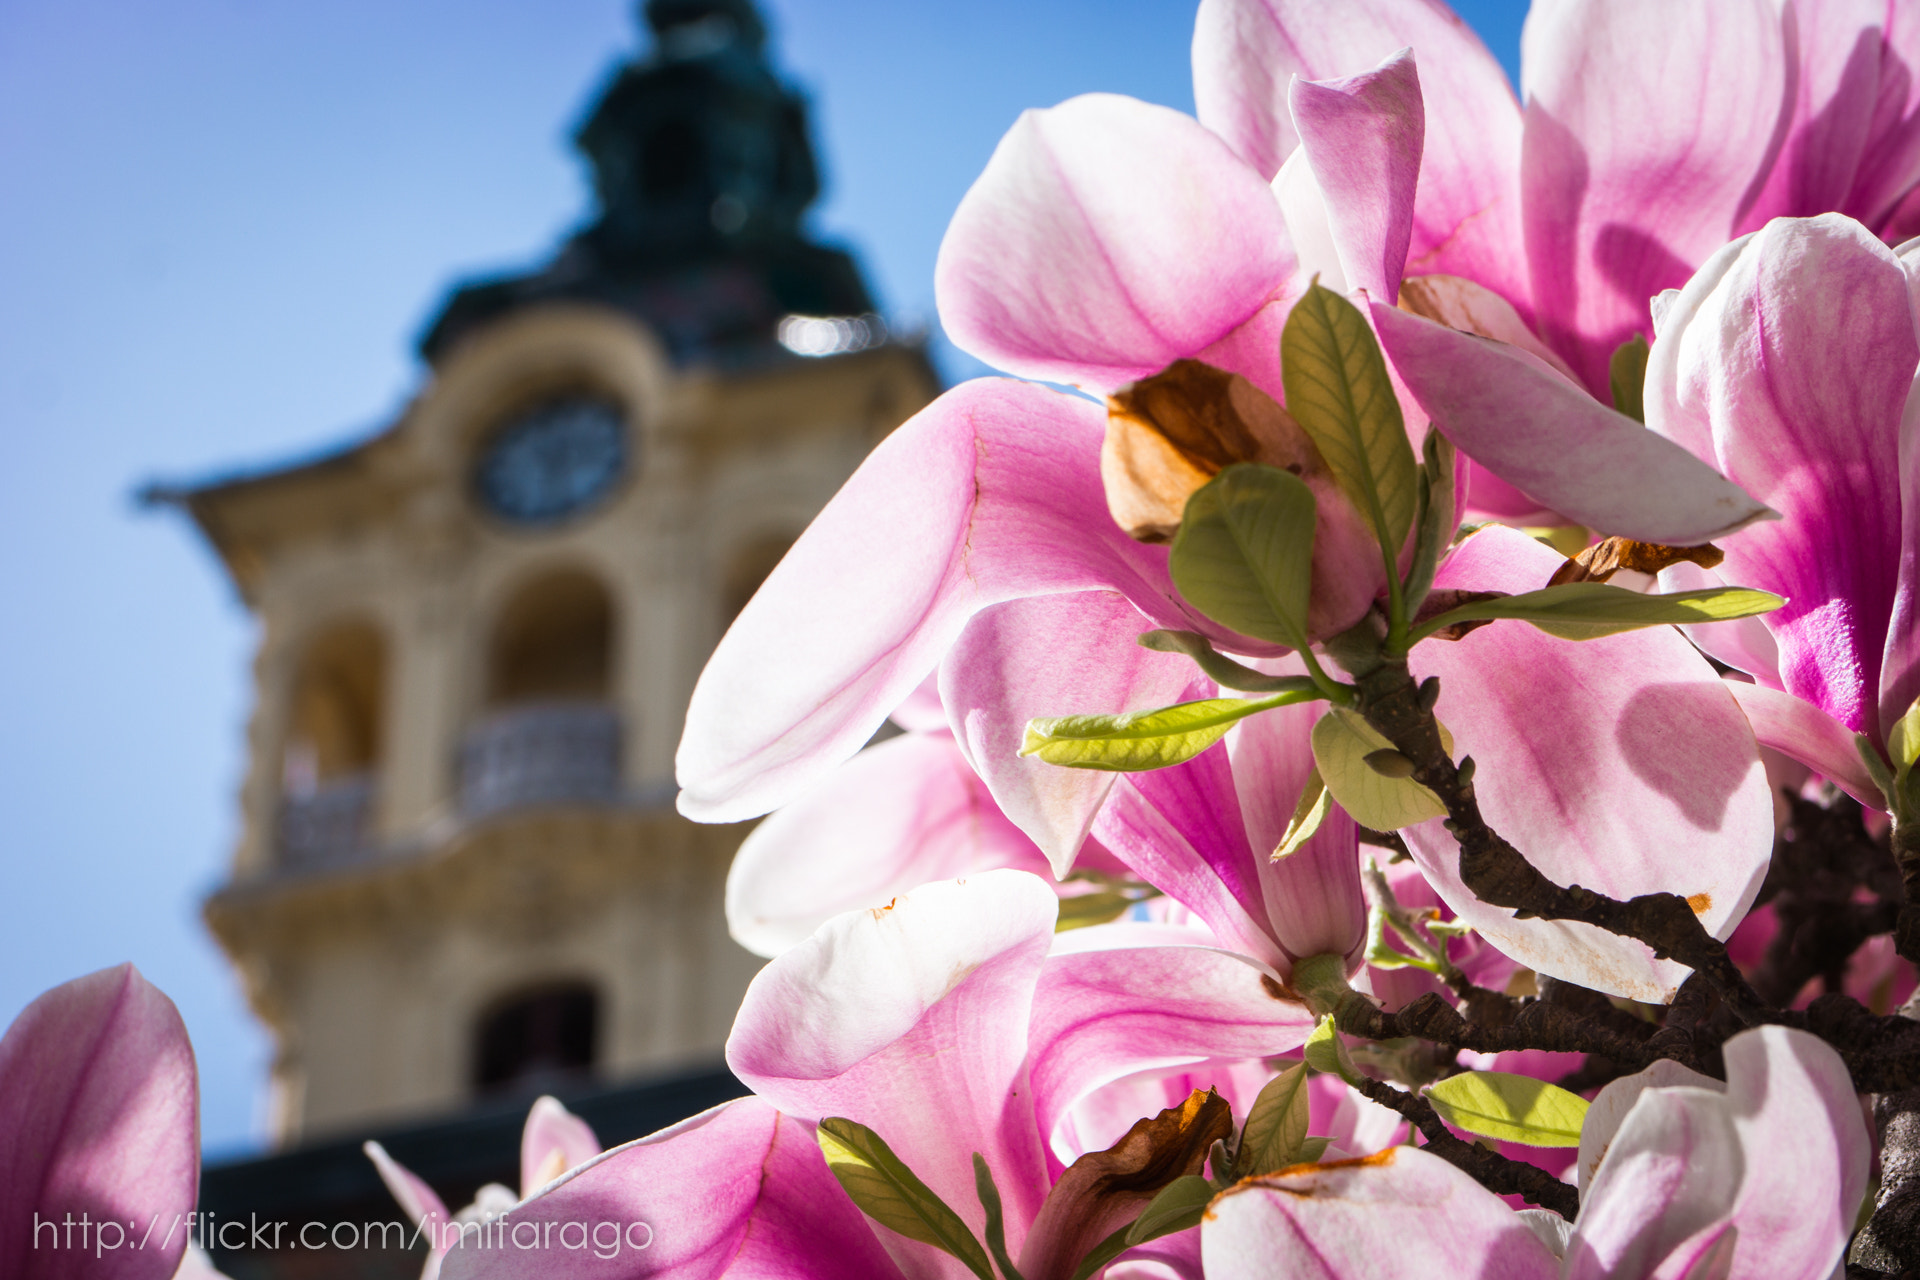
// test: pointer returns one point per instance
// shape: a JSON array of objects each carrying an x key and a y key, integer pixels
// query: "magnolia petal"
[
  {"x": 1099, "y": 1016},
  {"x": 740, "y": 1190},
  {"x": 1466, "y": 213},
  {"x": 1890, "y": 161},
  {"x": 1473, "y": 308},
  {"x": 1106, "y": 239},
  {"x": 990, "y": 493},
  {"x": 1362, "y": 135},
  {"x": 1303, "y": 203},
  {"x": 1101, "y": 1118},
  {"x": 1314, "y": 904},
  {"x": 911, "y": 1020},
  {"x": 420, "y": 1202},
  {"x": 1402, "y": 1212},
  {"x": 554, "y": 1141},
  {"x": 1796, "y": 1111},
  {"x": 1180, "y": 830},
  {"x": 1612, "y": 1104},
  {"x": 1052, "y": 656},
  {"x": 1649, "y": 128},
  {"x": 1514, "y": 415},
  {"x": 1670, "y": 1178},
  {"x": 1834, "y": 109},
  {"x": 1795, "y": 354},
  {"x": 1811, "y": 736},
  {"x": 1900, "y": 664},
  {"x": 896, "y": 816},
  {"x": 1744, "y": 644},
  {"x": 1780, "y": 1154},
  {"x": 1106, "y": 1191},
  {"x": 99, "y": 1105},
  {"x": 1579, "y": 750}
]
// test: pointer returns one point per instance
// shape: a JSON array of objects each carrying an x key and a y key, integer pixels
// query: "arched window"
[
  {"x": 537, "y": 1037},
  {"x": 553, "y": 642},
  {"x": 747, "y": 569},
  {"x": 332, "y": 744},
  {"x": 551, "y": 734}
]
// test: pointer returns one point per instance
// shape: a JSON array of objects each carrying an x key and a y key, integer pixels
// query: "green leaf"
[
  {"x": 996, "y": 1220},
  {"x": 1083, "y": 909},
  {"x": 889, "y": 1193},
  {"x": 1180, "y": 1204},
  {"x": 1142, "y": 740},
  {"x": 1903, "y": 742},
  {"x": 1311, "y": 810},
  {"x": 1587, "y": 610},
  {"x": 1435, "y": 518},
  {"x": 1325, "y": 1053},
  {"x": 1338, "y": 391},
  {"x": 1312, "y": 1149},
  {"x": 1627, "y": 371},
  {"x": 1510, "y": 1108},
  {"x": 1219, "y": 668},
  {"x": 1244, "y": 553},
  {"x": 1276, "y": 1125},
  {"x": 1342, "y": 741}
]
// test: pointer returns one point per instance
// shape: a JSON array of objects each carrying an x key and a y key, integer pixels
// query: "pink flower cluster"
[{"x": 1656, "y": 302}]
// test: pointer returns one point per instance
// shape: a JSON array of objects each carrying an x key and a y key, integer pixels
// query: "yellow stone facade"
[{"x": 394, "y": 880}]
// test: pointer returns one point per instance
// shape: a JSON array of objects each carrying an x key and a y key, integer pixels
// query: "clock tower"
[{"x": 460, "y": 878}]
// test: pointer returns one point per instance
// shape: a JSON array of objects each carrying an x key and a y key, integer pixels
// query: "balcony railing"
[
  {"x": 544, "y": 754},
  {"x": 327, "y": 826}
]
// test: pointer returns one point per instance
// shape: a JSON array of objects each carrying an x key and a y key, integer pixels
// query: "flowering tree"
[{"x": 1409, "y": 764}]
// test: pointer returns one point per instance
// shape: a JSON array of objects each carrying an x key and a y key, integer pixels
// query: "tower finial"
[{"x": 690, "y": 28}]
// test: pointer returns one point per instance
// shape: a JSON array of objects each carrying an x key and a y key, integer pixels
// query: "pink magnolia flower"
[
  {"x": 1682, "y": 1177},
  {"x": 953, "y": 1022},
  {"x": 1108, "y": 238},
  {"x": 99, "y": 1103},
  {"x": 1789, "y": 360},
  {"x": 1650, "y": 136},
  {"x": 553, "y": 1141}
]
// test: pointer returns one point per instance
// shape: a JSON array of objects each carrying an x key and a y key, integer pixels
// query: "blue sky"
[{"x": 222, "y": 223}]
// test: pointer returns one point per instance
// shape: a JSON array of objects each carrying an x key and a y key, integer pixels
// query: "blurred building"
[{"x": 460, "y": 879}]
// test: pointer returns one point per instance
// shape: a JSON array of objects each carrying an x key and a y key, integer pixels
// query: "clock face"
[{"x": 554, "y": 461}]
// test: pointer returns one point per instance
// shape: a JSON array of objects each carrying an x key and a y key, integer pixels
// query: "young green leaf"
[
  {"x": 1308, "y": 813},
  {"x": 1276, "y": 1125},
  {"x": 1342, "y": 741},
  {"x": 1141, "y": 740},
  {"x": 1179, "y": 1205},
  {"x": 1338, "y": 391},
  {"x": 1244, "y": 553},
  {"x": 1627, "y": 372},
  {"x": 1101, "y": 1254},
  {"x": 1218, "y": 667},
  {"x": 889, "y": 1193},
  {"x": 1510, "y": 1108},
  {"x": 1325, "y": 1052},
  {"x": 1588, "y": 610},
  {"x": 1876, "y": 767},
  {"x": 1903, "y": 742},
  {"x": 1435, "y": 517},
  {"x": 996, "y": 1221}
]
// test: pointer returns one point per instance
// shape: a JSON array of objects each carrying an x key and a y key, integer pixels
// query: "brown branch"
[
  {"x": 1891, "y": 1241},
  {"x": 1500, "y": 875},
  {"x": 1490, "y": 1169},
  {"x": 1535, "y": 1024},
  {"x": 1822, "y": 859}
]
